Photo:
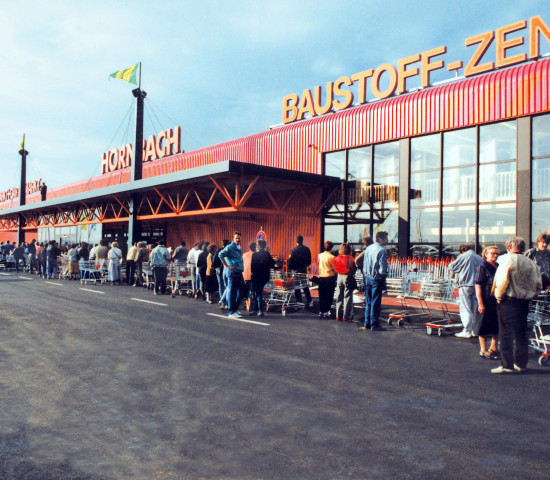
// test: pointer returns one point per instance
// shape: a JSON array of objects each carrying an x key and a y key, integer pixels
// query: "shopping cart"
[
  {"x": 408, "y": 289},
  {"x": 445, "y": 292},
  {"x": 89, "y": 272},
  {"x": 148, "y": 280},
  {"x": 282, "y": 292},
  {"x": 63, "y": 266},
  {"x": 539, "y": 315},
  {"x": 180, "y": 278}
]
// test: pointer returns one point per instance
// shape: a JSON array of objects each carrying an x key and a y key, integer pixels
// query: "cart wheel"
[
  {"x": 429, "y": 330},
  {"x": 267, "y": 308},
  {"x": 400, "y": 322},
  {"x": 283, "y": 313},
  {"x": 543, "y": 361},
  {"x": 390, "y": 320},
  {"x": 439, "y": 332}
]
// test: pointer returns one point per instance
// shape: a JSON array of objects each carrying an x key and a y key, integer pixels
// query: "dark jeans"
[
  {"x": 138, "y": 266},
  {"x": 130, "y": 271},
  {"x": 373, "y": 301},
  {"x": 235, "y": 291},
  {"x": 327, "y": 286},
  {"x": 17, "y": 260},
  {"x": 512, "y": 324},
  {"x": 298, "y": 291},
  {"x": 258, "y": 289},
  {"x": 159, "y": 274}
]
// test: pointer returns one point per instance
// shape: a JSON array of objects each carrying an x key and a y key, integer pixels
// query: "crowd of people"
[
  {"x": 494, "y": 290},
  {"x": 494, "y": 295}
]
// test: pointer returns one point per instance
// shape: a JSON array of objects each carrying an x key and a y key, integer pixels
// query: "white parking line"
[
  {"x": 226, "y": 317},
  {"x": 90, "y": 290},
  {"x": 25, "y": 278},
  {"x": 149, "y": 301},
  {"x": 7, "y": 274},
  {"x": 53, "y": 283}
]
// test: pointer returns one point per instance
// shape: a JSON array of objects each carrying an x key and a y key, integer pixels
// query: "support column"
[
  {"x": 523, "y": 185},
  {"x": 404, "y": 187}
]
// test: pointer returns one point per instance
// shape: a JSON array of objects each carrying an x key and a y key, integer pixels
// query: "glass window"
[
  {"x": 425, "y": 152},
  {"x": 335, "y": 164},
  {"x": 497, "y": 142},
  {"x": 424, "y": 225},
  {"x": 359, "y": 163},
  {"x": 497, "y": 182},
  {"x": 459, "y": 185},
  {"x": 334, "y": 233},
  {"x": 458, "y": 226},
  {"x": 386, "y": 159},
  {"x": 497, "y": 222},
  {"x": 541, "y": 178},
  {"x": 540, "y": 219},
  {"x": 541, "y": 135},
  {"x": 425, "y": 188},
  {"x": 459, "y": 148}
]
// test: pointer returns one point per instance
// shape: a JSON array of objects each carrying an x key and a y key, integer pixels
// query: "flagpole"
[{"x": 140, "y": 75}]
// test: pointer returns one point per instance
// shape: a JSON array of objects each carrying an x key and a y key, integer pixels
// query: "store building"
[{"x": 466, "y": 161}]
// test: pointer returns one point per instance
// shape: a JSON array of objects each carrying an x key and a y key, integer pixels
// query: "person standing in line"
[
  {"x": 464, "y": 270},
  {"x": 487, "y": 303},
  {"x": 19, "y": 256},
  {"x": 192, "y": 264},
  {"x": 115, "y": 256},
  {"x": 211, "y": 281},
  {"x": 298, "y": 261},
  {"x": 248, "y": 292},
  {"x": 180, "y": 254},
  {"x": 375, "y": 272},
  {"x": 159, "y": 258},
  {"x": 74, "y": 267},
  {"x": 541, "y": 256},
  {"x": 102, "y": 250},
  {"x": 261, "y": 264},
  {"x": 201, "y": 271},
  {"x": 53, "y": 253},
  {"x": 327, "y": 280},
  {"x": 142, "y": 256},
  {"x": 131, "y": 263},
  {"x": 344, "y": 264},
  {"x": 32, "y": 252},
  {"x": 517, "y": 281},
  {"x": 232, "y": 259},
  {"x": 221, "y": 275},
  {"x": 44, "y": 261}
]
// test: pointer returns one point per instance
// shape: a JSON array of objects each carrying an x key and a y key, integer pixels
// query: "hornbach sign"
[
  {"x": 167, "y": 142},
  {"x": 338, "y": 96},
  {"x": 30, "y": 187}
]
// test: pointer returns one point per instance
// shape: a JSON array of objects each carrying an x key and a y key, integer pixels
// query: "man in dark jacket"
[
  {"x": 53, "y": 253},
  {"x": 19, "y": 256},
  {"x": 261, "y": 265},
  {"x": 299, "y": 260}
]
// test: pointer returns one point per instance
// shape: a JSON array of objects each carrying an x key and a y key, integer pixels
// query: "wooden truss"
[{"x": 207, "y": 196}]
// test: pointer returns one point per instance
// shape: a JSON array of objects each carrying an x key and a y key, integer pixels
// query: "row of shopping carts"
[{"x": 539, "y": 317}]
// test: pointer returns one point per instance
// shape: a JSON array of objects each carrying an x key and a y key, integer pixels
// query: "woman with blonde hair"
[{"x": 487, "y": 303}]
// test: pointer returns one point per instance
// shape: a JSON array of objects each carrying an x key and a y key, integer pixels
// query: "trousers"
[{"x": 512, "y": 324}]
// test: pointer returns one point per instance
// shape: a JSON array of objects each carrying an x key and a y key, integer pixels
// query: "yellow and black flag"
[
  {"x": 129, "y": 75},
  {"x": 22, "y": 148}
]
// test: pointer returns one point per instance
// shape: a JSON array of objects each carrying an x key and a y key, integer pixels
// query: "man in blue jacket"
[
  {"x": 375, "y": 272},
  {"x": 232, "y": 259}
]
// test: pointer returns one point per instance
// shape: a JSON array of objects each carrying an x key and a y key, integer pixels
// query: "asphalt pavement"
[{"x": 98, "y": 383}]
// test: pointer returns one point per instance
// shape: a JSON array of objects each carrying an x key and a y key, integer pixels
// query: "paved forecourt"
[{"x": 102, "y": 382}]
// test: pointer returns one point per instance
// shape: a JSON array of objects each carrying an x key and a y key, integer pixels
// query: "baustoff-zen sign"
[
  {"x": 167, "y": 142},
  {"x": 295, "y": 109},
  {"x": 30, "y": 187}
]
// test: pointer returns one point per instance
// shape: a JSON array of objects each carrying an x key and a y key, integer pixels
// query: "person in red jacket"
[{"x": 344, "y": 264}]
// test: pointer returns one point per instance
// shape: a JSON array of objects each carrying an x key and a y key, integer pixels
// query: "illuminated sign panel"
[
  {"x": 166, "y": 143},
  {"x": 339, "y": 97}
]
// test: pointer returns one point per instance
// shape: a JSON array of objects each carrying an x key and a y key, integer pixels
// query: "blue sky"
[{"x": 218, "y": 68}]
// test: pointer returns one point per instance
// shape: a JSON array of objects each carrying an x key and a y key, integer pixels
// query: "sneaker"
[
  {"x": 260, "y": 314},
  {"x": 501, "y": 369},
  {"x": 362, "y": 327},
  {"x": 310, "y": 304},
  {"x": 463, "y": 334},
  {"x": 208, "y": 301},
  {"x": 519, "y": 369},
  {"x": 235, "y": 315},
  {"x": 321, "y": 315}
]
